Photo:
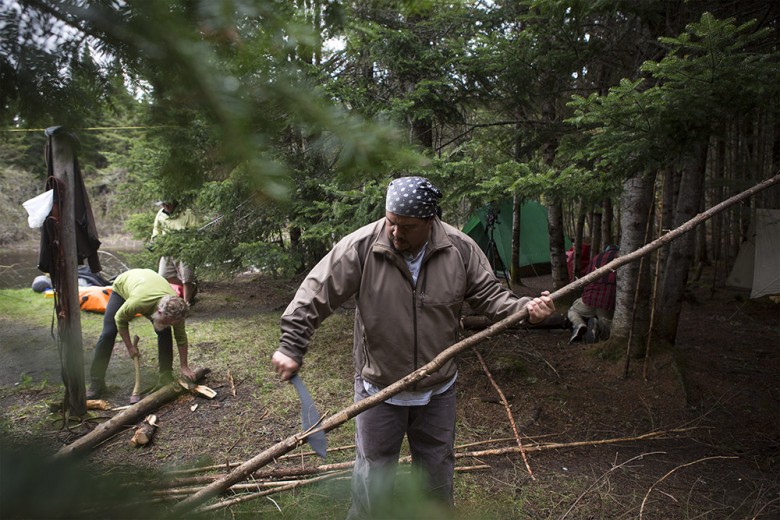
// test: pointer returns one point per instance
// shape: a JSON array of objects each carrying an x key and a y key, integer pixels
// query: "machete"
[{"x": 310, "y": 417}]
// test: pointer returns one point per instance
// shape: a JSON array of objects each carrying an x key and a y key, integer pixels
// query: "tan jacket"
[{"x": 398, "y": 327}]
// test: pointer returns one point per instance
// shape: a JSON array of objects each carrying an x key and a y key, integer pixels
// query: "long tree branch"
[
  {"x": 334, "y": 421},
  {"x": 331, "y": 470},
  {"x": 508, "y": 411}
]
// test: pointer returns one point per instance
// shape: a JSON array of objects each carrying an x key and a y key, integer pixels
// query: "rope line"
[{"x": 92, "y": 129}]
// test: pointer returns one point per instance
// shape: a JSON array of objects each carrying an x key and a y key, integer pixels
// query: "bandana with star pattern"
[{"x": 412, "y": 197}]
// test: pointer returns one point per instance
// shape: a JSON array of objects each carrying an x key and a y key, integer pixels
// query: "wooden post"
[{"x": 62, "y": 148}]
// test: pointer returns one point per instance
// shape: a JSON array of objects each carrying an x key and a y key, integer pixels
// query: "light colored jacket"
[
  {"x": 399, "y": 327},
  {"x": 165, "y": 223}
]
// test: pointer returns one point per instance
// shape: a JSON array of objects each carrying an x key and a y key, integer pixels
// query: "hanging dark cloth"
[{"x": 87, "y": 242}]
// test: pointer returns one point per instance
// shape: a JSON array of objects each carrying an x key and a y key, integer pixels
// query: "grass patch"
[{"x": 24, "y": 306}]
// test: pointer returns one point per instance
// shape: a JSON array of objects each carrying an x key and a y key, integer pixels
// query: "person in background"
[
  {"x": 172, "y": 218},
  {"x": 577, "y": 271},
  {"x": 591, "y": 314},
  {"x": 410, "y": 274},
  {"x": 144, "y": 292}
]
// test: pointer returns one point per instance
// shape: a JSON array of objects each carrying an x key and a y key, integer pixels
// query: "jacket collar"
[{"x": 438, "y": 239}]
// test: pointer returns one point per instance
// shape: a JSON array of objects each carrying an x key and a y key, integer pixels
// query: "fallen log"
[
  {"x": 334, "y": 421},
  {"x": 127, "y": 417}
]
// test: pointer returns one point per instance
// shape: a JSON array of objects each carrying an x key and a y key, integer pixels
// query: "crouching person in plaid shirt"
[{"x": 591, "y": 315}]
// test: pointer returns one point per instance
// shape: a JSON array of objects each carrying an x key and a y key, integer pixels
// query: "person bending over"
[{"x": 144, "y": 292}]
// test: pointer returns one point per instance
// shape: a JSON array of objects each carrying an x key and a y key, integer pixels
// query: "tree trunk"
[
  {"x": 772, "y": 199},
  {"x": 514, "y": 270},
  {"x": 702, "y": 258},
  {"x": 421, "y": 132},
  {"x": 607, "y": 231},
  {"x": 717, "y": 238},
  {"x": 579, "y": 239},
  {"x": 595, "y": 233},
  {"x": 560, "y": 273},
  {"x": 635, "y": 205},
  {"x": 681, "y": 251}
]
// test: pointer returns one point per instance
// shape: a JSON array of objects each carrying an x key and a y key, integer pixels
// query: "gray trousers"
[
  {"x": 579, "y": 312},
  {"x": 379, "y": 433}
]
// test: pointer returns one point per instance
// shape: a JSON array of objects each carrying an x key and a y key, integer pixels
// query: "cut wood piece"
[
  {"x": 203, "y": 390},
  {"x": 232, "y": 383},
  {"x": 143, "y": 435},
  {"x": 98, "y": 404}
]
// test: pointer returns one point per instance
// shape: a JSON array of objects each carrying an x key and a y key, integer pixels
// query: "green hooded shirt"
[{"x": 142, "y": 290}]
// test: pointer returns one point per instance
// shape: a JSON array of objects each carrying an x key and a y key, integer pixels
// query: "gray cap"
[{"x": 412, "y": 197}]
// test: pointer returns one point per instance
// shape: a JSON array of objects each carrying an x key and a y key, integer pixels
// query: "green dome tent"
[{"x": 534, "y": 237}]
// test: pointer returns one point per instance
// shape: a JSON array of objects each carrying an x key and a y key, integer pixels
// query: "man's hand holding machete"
[{"x": 285, "y": 366}]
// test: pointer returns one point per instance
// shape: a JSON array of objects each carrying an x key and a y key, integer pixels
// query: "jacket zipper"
[
  {"x": 414, "y": 312},
  {"x": 420, "y": 278},
  {"x": 365, "y": 349}
]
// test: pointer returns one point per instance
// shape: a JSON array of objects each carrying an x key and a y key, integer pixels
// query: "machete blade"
[{"x": 310, "y": 417}]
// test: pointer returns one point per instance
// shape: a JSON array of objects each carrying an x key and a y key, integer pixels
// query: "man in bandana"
[{"x": 410, "y": 274}]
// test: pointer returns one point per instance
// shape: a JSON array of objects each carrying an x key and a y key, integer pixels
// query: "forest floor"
[{"x": 715, "y": 453}]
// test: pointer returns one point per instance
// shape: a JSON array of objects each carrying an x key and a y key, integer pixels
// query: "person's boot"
[
  {"x": 592, "y": 333},
  {"x": 96, "y": 389},
  {"x": 577, "y": 334}
]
